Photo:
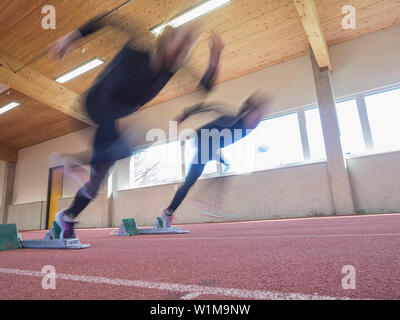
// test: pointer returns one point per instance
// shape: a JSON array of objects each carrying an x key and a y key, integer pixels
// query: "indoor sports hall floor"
[{"x": 282, "y": 259}]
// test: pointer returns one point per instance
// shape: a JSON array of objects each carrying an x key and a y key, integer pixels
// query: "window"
[
  {"x": 190, "y": 149},
  {"x": 350, "y": 127},
  {"x": 315, "y": 134},
  {"x": 383, "y": 111},
  {"x": 274, "y": 142},
  {"x": 156, "y": 165}
]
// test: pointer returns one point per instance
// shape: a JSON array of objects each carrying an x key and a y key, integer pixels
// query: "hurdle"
[{"x": 129, "y": 228}]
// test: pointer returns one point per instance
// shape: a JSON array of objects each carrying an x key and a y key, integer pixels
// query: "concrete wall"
[
  {"x": 375, "y": 182},
  {"x": 288, "y": 192},
  {"x": 28, "y": 216},
  {"x": 2, "y": 177},
  {"x": 90, "y": 217}
]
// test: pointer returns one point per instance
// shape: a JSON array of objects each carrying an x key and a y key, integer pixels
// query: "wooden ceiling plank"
[
  {"x": 28, "y": 39},
  {"x": 33, "y": 122},
  {"x": 312, "y": 25},
  {"x": 40, "y": 88},
  {"x": 8, "y": 18},
  {"x": 8, "y": 154}
]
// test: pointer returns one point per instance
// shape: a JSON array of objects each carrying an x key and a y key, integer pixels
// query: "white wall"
[
  {"x": 290, "y": 84},
  {"x": 31, "y": 176},
  {"x": 366, "y": 63},
  {"x": 362, "y": 64}
]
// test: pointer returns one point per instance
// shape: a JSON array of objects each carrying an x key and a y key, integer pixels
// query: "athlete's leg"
[
  {"x": 89, "y": 191},
  {"x": 196, "y": 170},
  {"x": 66, "y": 218},
  {"x": 106, "y": 136}
]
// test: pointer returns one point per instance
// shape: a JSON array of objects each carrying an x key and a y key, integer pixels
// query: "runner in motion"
[
  {"x": 221, "y": 133},
  {"x": 132, "y": 79}
]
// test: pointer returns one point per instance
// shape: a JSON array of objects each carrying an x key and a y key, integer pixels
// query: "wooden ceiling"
[{"x": 258, "y": 34}]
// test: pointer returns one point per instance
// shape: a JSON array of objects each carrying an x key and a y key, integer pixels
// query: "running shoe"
[
  {"x": 67, "y": 226},
  {"x": 167, "y": 218}
]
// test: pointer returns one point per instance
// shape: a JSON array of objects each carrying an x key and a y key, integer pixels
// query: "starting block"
[
  {"x": 129, "y": 228},
  {"x": 52, "y": 241},
  {"x": 54, "y": 233},
  {"x": 54, "y": 244},
  {"x": 11, "y": 240},
  {"x": 9, "y": 237}
]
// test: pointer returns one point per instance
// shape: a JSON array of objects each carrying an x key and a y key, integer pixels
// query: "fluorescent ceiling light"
[
  {"x": 191, "y": 14},
  {"x": 8, "y": 107},
  {"x": 80, "y": 70}
]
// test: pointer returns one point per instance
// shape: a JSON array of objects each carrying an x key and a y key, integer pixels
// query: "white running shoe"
[{"x": 167, "y": 218}]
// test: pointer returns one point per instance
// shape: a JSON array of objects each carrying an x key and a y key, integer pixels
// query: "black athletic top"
[{"x": 128, "y": 82}]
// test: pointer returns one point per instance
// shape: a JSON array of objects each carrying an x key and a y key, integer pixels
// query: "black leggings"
[
  {"x": 195, "y": 172},
  {"x": 89, "y": 191},
  {"x": 198, "y": 164}
]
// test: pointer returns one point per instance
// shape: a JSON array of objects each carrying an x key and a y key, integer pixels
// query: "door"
[{"x": 54, "y": 194}]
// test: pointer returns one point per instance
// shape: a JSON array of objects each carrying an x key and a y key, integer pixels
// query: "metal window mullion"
[
  {"x": 301, "y": 117},
  {"x": 366, "y": 128},
  {"x": 219, "y": 169},
  {"x": 183, "y": 164}
]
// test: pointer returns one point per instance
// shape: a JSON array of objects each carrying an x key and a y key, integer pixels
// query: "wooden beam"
[
  {"x": 8, "y": 154},
  {"x": 313, "y": 27},
  {"x": 37, "y": 86},
  {"x": 3, "y": 87}
]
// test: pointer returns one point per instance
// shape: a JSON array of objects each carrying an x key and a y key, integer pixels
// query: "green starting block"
[
  {"x": 129, "y": 228},
  {"x": 52, "y": 241},
  {"x": 10, "y": 240},
  {"x": 54, "y": 233},
  {"x": 9, "y": 237}
]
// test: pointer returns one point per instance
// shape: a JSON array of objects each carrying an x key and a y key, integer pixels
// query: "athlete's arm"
[
  {"x": 62, "y": 46},
  {"x": 102, "y": 21},
  {"x": 216, "y": 45},
  {"x": 197, "y": 108}
]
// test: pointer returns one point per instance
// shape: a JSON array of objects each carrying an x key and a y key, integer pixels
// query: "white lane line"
[
  {"x": 191, "y": 296},
  {"x": 275, "y": 237},
  {"x": 172, "y": 287}
]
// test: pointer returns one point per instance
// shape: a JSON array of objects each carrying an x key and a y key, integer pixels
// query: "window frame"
[{"x": 300, "y": 111}]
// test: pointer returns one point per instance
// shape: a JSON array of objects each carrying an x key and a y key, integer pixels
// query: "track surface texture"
[{"x": 281, "y": 259}]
